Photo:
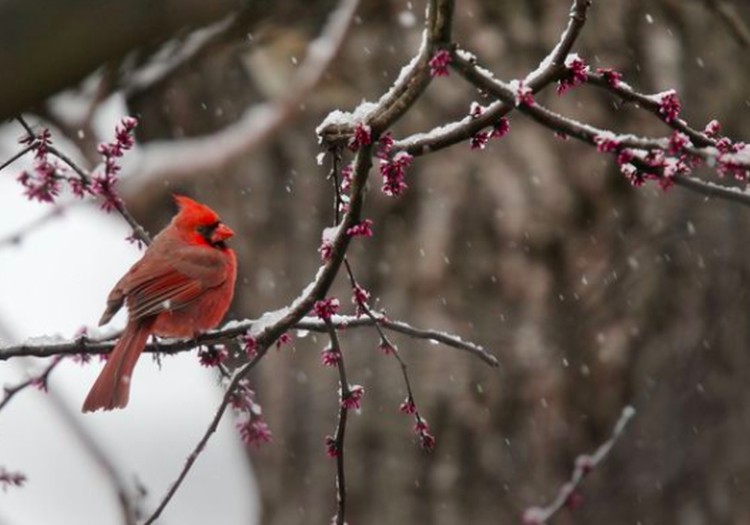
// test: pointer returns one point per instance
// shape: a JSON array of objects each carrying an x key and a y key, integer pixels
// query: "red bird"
[{"x": 182, "y": 286}]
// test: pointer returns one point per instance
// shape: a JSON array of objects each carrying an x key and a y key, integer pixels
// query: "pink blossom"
[
  {"x": 249, "y": 345},
  {"x": 524, "y": 95},
  {"x": 363, "y": 229},
  {"x": 476, "y": 110},
  {"x": 332, "y": 447},
  {"x": 254, "y": 431},
  {"x": 326, "y": 250},
  {"x": 408, "y": 406},
  {"x": 325, "y": 308},
  {"x": 43, "y": 184},
  {"x": 212, "y": 355},
  {"x": 284, "y": 339},
  {"x": 577, "y": 73},
  {"x": 610, "y": 76},
  {"x": 360, "y": 295},
  {"x": 104, "y": 182},
  {"x": 385, "y": 145},
  {"x": 387, "y": 348},
  {"x": 606, "y": 144},
  {"x": 713, "y": 128},
  {"x": 346, "y": 177},
  {"x": 677, "y": 142},
  {"x": 669, "y": 106},
  {"x": 393, "y": 172},
  {"x": 439, "y": 63},
  {"x": 353, "y": 398},
  {"x": 624, "y": 156},
  {"x": 330, "y": 357},
  {"x": 426, "y": 439},
  {"x": 501, "y": 128},
  {"x": 362, "y": 136},
  {"x": 480, "y": 140}
]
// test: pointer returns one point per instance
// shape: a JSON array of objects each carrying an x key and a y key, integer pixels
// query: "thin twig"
[
  {"x": 340, "y": 434},
  {"x": 15, "y": 157},
  {"x": 86, "y": 179},
  {"x": 583, "y": 466},
  {"x": 39, "y": 380}
]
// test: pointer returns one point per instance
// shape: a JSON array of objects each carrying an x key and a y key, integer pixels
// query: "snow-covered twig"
[
  {"x": 550, "y": 69},
  {"x": 584, "y": 465},
  {"x": 83, "y": 345},
  {"x": 704, "y": 146}
]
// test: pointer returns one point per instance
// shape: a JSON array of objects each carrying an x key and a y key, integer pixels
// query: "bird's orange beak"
[{"x": 222, "y": 233}]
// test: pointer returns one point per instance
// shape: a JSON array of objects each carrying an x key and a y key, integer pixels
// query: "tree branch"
[{"x": 583, "y": 466}]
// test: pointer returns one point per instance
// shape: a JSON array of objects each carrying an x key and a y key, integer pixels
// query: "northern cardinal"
[{"x": 181, "y": 287}]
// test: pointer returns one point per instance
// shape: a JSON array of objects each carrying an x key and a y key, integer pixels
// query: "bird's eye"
[{"x": 207, "y": 230}]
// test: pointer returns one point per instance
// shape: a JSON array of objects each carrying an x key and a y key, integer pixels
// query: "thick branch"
[{"x": 78, "y": 36}]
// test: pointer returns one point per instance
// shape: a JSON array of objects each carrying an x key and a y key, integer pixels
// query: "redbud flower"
[
  {"x": 362, "y": 136},
  {"x": 408, "y": 406},
  {"x": 501, "y": 128},
  {"x": 249, "y": 345},
  {"x": 669, "y": 105},
  {"x": 577, "y": 73},
  {"x": 393, "y": 172},
  {"x": 385, "y": 145},
  {"x": 677, "y": 141},
  {"x": 284, "y": 339},
  {"x": 325, "y": 308},
  {"x": 363, "y": 229},
  {"x": 212, "y": 355},
  {"x": 524, "y": 94},
  {"x": 713, "y": 128},
  {"x": 330, "y": 357},
  {"x": 610, "y": 76},
  {"x": 480, "y": 140},
  {"x": 606, "y": 143},
  {"x": 353, "y": 398},
  {"x": 439, "y": 63},
  {"x": 254, "y": 431},
  {"x": 332, "y": 448},
  {"x": 387, "y": 348}
]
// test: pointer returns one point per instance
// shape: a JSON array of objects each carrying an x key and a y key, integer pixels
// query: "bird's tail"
[{"x": 112, "y": 387}]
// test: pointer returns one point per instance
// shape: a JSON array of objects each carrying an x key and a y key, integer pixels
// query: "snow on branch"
[
  {"x": 84, "y": 346},
  {"x": 549, "y": 70}
]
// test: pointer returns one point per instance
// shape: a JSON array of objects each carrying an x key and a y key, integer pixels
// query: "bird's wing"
[{"x": 161, "y": 292}]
